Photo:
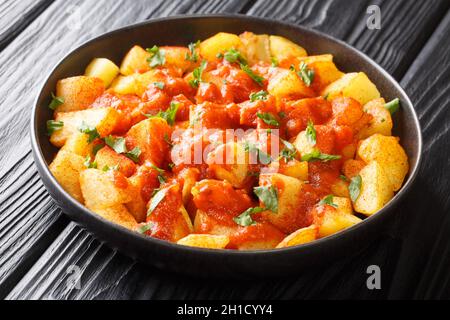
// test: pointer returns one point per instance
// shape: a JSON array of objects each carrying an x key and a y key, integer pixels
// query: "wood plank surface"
[
  {"x": 108, "y": 275},
  {"x": 29, "y": 221}
]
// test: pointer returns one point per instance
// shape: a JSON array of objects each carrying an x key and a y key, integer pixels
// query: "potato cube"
[
  {"x": 78, "y": 92},
  {"x": 219, "y": 43},
  {"x": 78, "y": 143},
  {"x": 230, "y": 162},
  {"x": 287, "y": 84},
  {"x": 176, "y": 58},
  {"x": 135, "y": 61},
  {"x": 293, "y": 168},
  {"x": 340, "y": 189},
  {"x": 143, "y": 80},
  {"x": 205, "y": 241},
  {"x": 301, "y": 236},
  {"x": 331, "y": 220},
  {"x": 101, "y": 190},
  {"x": 66, "y": 168},
  {"x": 317, "y": 58},
  {"x": 149, "y": 135},
  {"x": 389, "y": 154},
  {"x": 376, "y": 189},
  {"x": 257, "y": 47},
  {"x": 325, "y": 72},
  {"x": 355, "y": 85},
  {"x": 124, "y": 85},
  {"x": 282, "y": 48},
  {"x": 189, "y": 177},
  {"x": 103, "y": 69},
  {"x": 117, "y": 214},
  {"x": 381, "y": 121},
  {"x": 103, "y": 119},
  {"x": 107, "y": 157}
]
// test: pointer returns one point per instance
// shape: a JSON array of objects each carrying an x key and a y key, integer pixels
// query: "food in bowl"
[{"x": 235, "y": 142}]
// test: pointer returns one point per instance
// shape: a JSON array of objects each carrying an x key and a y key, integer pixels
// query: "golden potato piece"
[
  {"x": 78, "y": 143},
  {"x": 117, "y": 214},
  {"x": 135, "y": 61},
  {"x": 66, "y": 168},
  {"x": 78, "y": 92},
  {"x": 137, "y": 207},
  {"x": 219, "y": 43},
  {"x": 124, "y": 85},
  {"x": 293, "y": 168},
  {"x": 257, "y": 47},
  {"x": 381, "y": 121},
  {"x": 340, "y": 189},
  {"x": 143, "y": 80},
  {"x": 355, "y": 85},
  {"x": 325, "y": 72},
  {"x": 302, "y": 144},
  {"x": 205, "y": 241},
  {"x": 389, "y": 154},
  {"x": 287, "y": 84},
  {"x": 282, "y": 48},
  {"x": 104, "y": 69},
  {"x": 301, "y": 236},
  {"x": 376, "y": 189},
  {"x": 317, "y": 58},
  {"x": 103, "y": 119},
  {"x": 331, "y": 220},
  {"x": 176, "y": 58},
  {"x": 100, "y": 190},
  {"x": 230, "y": 162},
  {"x": 189, "y": 176}
]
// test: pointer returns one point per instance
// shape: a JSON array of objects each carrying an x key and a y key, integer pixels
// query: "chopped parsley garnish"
[
  {"x": 192, "y": 55},
  {"x": 159, "y": 85},
  {"x": 108, "y": 168},
  {"x": 169, "y": 115},
  {"x": 282, "y": 114},
  {"x": 145, "y": 227},
  {"x": 219, "y": 55},
  {"x": 134, "y": 154},
  {"x": 56, "y": 101},
  {"x": 245, "y": 218},
  {"x": 289, "y": 152},
  {"x": 117, "y": 144},
  {"x": 328, "y": 200},
  {"x": 268, "y": 196},
  {"x": 197, "y": 74},
  {"x": 91, "y": 131},
  {"x": 274, "y": 61},
  {"x": 268, "y": 118},
  {"x": 258, "y": 79},
  {"x": 355, "y": 187},
  {"x": 311, "y": 133},
  {"x": 161, "y": 178},
  {"x": 343, "y": 178},
  {"x": 306, "y": 74},
  {"x": 89, "y": 164},
  {"x": 325, "y": 97},
  {"x": 167, "y": 140},
  {"x": 97, "y": 148},
  {"x": 157, "y": 57},
  {"x": 316, "y": 155},
  {"x": 233, "y": 56},
  {"x": 53, "y": 126},
  {"x": 263, "y": 157},
  {"x": 260, "y": 95},
  {"x": 393, "y": 105},
  {"x": 156, "y": 199}
]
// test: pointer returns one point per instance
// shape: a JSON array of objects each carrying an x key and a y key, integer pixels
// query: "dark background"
[{"x": 38, "y": 243}]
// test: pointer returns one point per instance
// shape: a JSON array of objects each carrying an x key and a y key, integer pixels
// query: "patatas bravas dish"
[{"x": 234, "y": 142}]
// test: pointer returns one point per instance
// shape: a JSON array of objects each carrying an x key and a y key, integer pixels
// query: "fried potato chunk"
[
  {"x": 208, "y": 241},
  {"x": 78, "y": 93}
]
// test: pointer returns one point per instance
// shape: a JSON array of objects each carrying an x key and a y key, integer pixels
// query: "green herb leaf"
[
  {"x": 268, "y": 196},
  {"x": 268, "y": 118},
  {"x": 167, "y": 140},
  {"x": 56, "y": 101},
  {"x": 325, "y": 97},
  {"x": 245, "y": 218},
  {"x": 258, "y": 79},
  {"x": 282, "y": 114},
  {"x": 343, "y": 178},
  {"x": 157, "y": 57},
  {"x": 91, "y": 131},
  {"x": 134, "y": 154},
  {"x": 159, "y": 85},
  {"x": 328, "y": 200},
  {"x": 355, "y": 187},
  {"x": 274, "y": 61},
  {"x": 219, "y": 55},
  {"x": 89, "y": 164},
  {"x": 157, "y": 198},
  {"x": 260, "y": 95},
  {"x": 289, "y": 152},
  {"x": 161, "y": 179},
  {"x": 197, "y": 74},
  {"x": 117, "y": 144},
  {"x": 97, "y": 148},
  {"x": 393, "y": 105},
  {"x": 192, "y": 55},
  {"x": 263, "y": 157},
  {"x": 233, "y": 55},
  {"x": 306, "y": 74},
  {"x": 311, "y": 133},
  {"x": 169, "y": 115},
  {"x": 114, "y": 168},
  {"x": 316, "y": 155},
  {"x": 53, "y": 126},
  {"x": 145, "y": 227}
]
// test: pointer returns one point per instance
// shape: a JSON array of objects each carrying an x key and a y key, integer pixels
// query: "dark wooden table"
[{"x": 38, "y": 243}]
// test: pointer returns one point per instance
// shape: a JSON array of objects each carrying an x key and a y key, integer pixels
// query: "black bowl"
[{"x": 224, "y": 263}]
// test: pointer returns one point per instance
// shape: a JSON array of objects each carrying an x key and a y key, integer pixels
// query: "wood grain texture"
[
  {"x": 405, "y": 25},
  {"x": 29, "y": 221},
  {"x": 15, "y": 15},
  {"x": 404, "y": 256}
]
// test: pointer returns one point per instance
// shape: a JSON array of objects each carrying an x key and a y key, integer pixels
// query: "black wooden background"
[{"x": 38, "y": 243}]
